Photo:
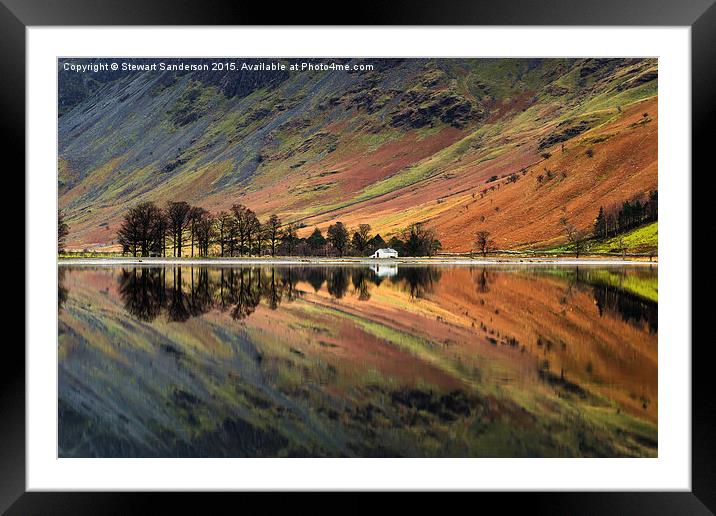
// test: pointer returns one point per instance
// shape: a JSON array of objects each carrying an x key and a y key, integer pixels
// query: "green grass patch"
[
  {"x": 644, "y": 239},
  {"x": 613, "y": 99},
  {"x": 641, "y": 240}
]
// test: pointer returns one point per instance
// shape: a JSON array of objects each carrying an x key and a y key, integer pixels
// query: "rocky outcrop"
[
  {"x": 647, "y": 76},
  {"x": 242, "y": 84},
  {"x": 569, "y": 129},
  {"x": 422, "y": 107}
]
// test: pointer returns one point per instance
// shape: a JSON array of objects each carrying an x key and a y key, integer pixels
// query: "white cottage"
[{"x": 385, "y": 253}]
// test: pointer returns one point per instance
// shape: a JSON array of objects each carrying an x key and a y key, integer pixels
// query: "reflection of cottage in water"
[
  {"x": 384, "y": 271},
  {"x": 385, "y": 253}
]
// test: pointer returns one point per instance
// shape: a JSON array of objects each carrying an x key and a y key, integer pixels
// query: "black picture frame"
[{"x": 17, "y": 15}]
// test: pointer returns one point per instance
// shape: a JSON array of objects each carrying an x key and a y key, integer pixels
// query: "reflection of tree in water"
[
  {"x": 243, "y": 289},
  {"x": 248, "y": 295},
  {"x": 142, "y": 291},
  {"x": 361, "y": 278},
  {"x": 147, "y": 292},
  {"x": 228, "y": 288},
  {"x": 577, "y": 280},
  {"x": 62, "y": 291},
  {"x": 418, "y": 281},
  {"x": 201, "y": 297},
  {"x": 183, "y": 293},
  {"x": 178, "y": 311},
  {"x": 337, "y": 280},
  {"x": 288, "y": 283},
  {"x": 482, "y": 281},
  {"x": 272, "y": 292},
  {"x": 630, "y": 307},
  {"x": 315, "y": 276}
]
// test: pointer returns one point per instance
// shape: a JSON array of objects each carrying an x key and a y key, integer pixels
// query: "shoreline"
[{"x": 353, "y": 261}]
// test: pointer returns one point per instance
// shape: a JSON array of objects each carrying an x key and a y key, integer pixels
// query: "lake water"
[{"x": 392, "y": 361}]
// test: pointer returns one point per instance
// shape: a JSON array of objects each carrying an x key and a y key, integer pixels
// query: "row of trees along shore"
[
  {"x": 180, "y": 229},
  {"x": 148, "y": 230}
]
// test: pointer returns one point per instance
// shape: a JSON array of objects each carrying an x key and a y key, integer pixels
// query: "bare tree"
[
  {"x": 225, "y": 227},
  {"x": 140, "y": 230},
  {"x": 247, "y": 225},
  {"x": 316, "y": 242},
  {"x": 253, "y": 232},
  {"x": 196, "y": 214},
  {"x": 262, "y": 240},
  {"x": 204, "y": 229},
  {"x": 483, "y": 243},
  {"x": 621, "y": 245},
  {"x": 127, "y": 236},
  {"x": 361, "y": 238},
  {"x": 62, "y": 231},
  {"x": 575, "y": 237},
  {"x": 273, "y": 233},
  {"x": 338, "y": 237},
  {"x": 162, "y": 227},
  {"x": 178, "y": 214},
  {"x": 418, "y": 240},
  {"x": 289, "y": 237}
]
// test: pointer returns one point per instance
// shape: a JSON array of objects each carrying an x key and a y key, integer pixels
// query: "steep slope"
[{"x": 410, "y": 140}]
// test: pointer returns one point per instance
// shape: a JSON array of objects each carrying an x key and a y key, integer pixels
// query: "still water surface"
[{"x": 396, "y": 361}]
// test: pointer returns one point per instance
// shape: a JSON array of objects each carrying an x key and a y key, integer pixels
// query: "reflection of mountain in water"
[
  {"x": 183, "y": 293},
  {"x": 414, "y": 364}
]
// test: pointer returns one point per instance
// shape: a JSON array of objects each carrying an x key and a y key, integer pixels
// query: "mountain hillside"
[{"x": 513, "y": 146}]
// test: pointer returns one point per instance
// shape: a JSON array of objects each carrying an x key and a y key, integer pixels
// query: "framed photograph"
[{"x": 431, "y": 250}]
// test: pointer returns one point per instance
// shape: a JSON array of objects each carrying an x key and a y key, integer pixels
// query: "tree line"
[
  {"x": 148, "y": 230},
  {"x": 630, "y": 214}
]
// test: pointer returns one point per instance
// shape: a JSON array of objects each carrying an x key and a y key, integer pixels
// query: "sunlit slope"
[{"x": 412, "y": 140}]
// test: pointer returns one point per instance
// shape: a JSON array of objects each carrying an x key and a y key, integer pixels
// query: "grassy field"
[{"x": 642, "y": 240}]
